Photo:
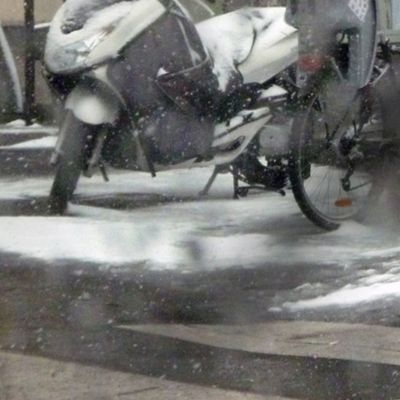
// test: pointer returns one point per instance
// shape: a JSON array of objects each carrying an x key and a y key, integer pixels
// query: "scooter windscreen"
[{"x": 86, "y": 33}]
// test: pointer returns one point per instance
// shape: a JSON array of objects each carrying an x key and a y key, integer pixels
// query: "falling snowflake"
[{"x": 359, "y": 8}]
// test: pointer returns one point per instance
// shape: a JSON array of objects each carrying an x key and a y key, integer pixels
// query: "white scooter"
[{"x": 144, "y": 88}]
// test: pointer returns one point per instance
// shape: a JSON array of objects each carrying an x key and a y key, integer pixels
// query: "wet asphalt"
[{"x": 72, "y": 312}]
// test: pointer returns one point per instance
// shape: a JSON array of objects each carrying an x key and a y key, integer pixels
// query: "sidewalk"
[
  {"x": 26, "y": 150},
  {"x": 17, "y": 132},
  {"x": 25, "y": 377}
]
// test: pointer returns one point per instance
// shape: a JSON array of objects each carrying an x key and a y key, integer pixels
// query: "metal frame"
[{"x": 30, "y": 59}]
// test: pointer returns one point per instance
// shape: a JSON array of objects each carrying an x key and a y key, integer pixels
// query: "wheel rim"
[{"x": 322, "y": 168}]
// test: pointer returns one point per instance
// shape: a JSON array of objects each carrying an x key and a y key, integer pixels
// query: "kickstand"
[
  {"x": 104, "y": 173},
  {"x": 235, "y": 174},
  {"x": 210, "y": 182}
]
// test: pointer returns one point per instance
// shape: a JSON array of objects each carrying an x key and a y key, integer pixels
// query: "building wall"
[
  {"x": 12, "y": 11},
  {"x": 396, "y": 14}
]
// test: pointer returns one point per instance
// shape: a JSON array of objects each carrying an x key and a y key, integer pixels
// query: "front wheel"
[
  {"x": 332, "y": 165},
  {"x": 71, "y": 161}
]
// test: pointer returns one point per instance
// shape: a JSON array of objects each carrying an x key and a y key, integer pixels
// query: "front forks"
[
  {"x": 93, "y": 150},
  {"x": 95, "y": 159},
  {"x": 59, "y": 150}
]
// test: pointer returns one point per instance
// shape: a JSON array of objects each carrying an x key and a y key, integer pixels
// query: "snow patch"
[
  {"x": 193, "y": 235},
  {"x": 42, "y": 143},
  {"x": 232, "y": 38},
  {"x": 95, "y": 241},
  {"x": 17, "y": 123},
  {"x": 373, "y": 285},
  {"x": 350, "y": 295}
]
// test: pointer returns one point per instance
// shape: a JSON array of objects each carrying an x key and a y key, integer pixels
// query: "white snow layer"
[
  {"x": 378, "y": 283},
  {"x": 19, "y": 127},
  {"x": 99, "y": 20},
  {"x": 351, "y": 295},
  {"x": 17, "y": 123},
  {"x": 47, "y": 142},
  {"x": 195, "y": 234},
  {"x": 229, "y": 38}
]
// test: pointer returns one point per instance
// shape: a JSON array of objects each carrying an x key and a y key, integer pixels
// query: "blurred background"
[{"x": 23, "y": 27}]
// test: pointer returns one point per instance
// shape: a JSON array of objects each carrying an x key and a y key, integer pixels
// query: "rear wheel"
[
  {"x": 332, "y": 165},
  {"x": 70, "y": 164}
]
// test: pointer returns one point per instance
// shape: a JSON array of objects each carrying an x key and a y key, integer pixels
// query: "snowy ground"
[
  {"x": 161, "y": 224},
  {"x": 47, "y": 142},
  {"x": 19, "y": 127},
  {"x": 219, "y": 298}
]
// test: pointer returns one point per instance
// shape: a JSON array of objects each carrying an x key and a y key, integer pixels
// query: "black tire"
[
  {"x": 70, "y": 164},
  {"x": 297, "y": 176},
  {"x": 316, "y": 169}
]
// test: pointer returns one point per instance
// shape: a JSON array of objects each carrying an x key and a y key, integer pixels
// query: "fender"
[{"x": 93, "y": 104}]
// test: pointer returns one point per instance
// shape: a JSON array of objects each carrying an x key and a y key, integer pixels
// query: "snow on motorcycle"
[{"x": 144, "y": 88}]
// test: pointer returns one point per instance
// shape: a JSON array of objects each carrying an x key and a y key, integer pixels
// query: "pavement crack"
[{"x": 133, "y": 392}]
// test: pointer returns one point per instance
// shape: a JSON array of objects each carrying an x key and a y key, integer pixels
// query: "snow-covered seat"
[{"x": 247, "y": 40}]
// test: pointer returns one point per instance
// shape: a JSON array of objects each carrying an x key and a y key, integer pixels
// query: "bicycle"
[{"x": 343, "y": 140}]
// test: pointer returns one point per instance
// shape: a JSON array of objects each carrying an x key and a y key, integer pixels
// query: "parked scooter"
[{"x": 145, "y": 89}]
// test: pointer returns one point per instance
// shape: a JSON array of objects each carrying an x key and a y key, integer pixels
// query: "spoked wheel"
[
  {"x": 71, "y": 162},
  {"x": 331, "y": 168}
]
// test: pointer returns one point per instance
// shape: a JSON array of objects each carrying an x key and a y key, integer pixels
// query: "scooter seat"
[{"x": 256, "y": 42}]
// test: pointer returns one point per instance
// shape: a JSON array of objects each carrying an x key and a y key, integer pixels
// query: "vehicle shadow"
[{"x": 39, "y": 205}]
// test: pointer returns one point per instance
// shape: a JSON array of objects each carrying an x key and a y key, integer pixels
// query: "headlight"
[
  {"x": 73, "y": 56},
  {"x": 83, "y": 48}
]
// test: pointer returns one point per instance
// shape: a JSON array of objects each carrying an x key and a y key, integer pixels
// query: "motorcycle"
[
  {"x": 144, "y": 88},
  {"x": 347, "y": 129}
]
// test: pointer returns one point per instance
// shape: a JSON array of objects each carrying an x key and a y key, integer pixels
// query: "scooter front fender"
[{"x": 93, "y": 105}]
